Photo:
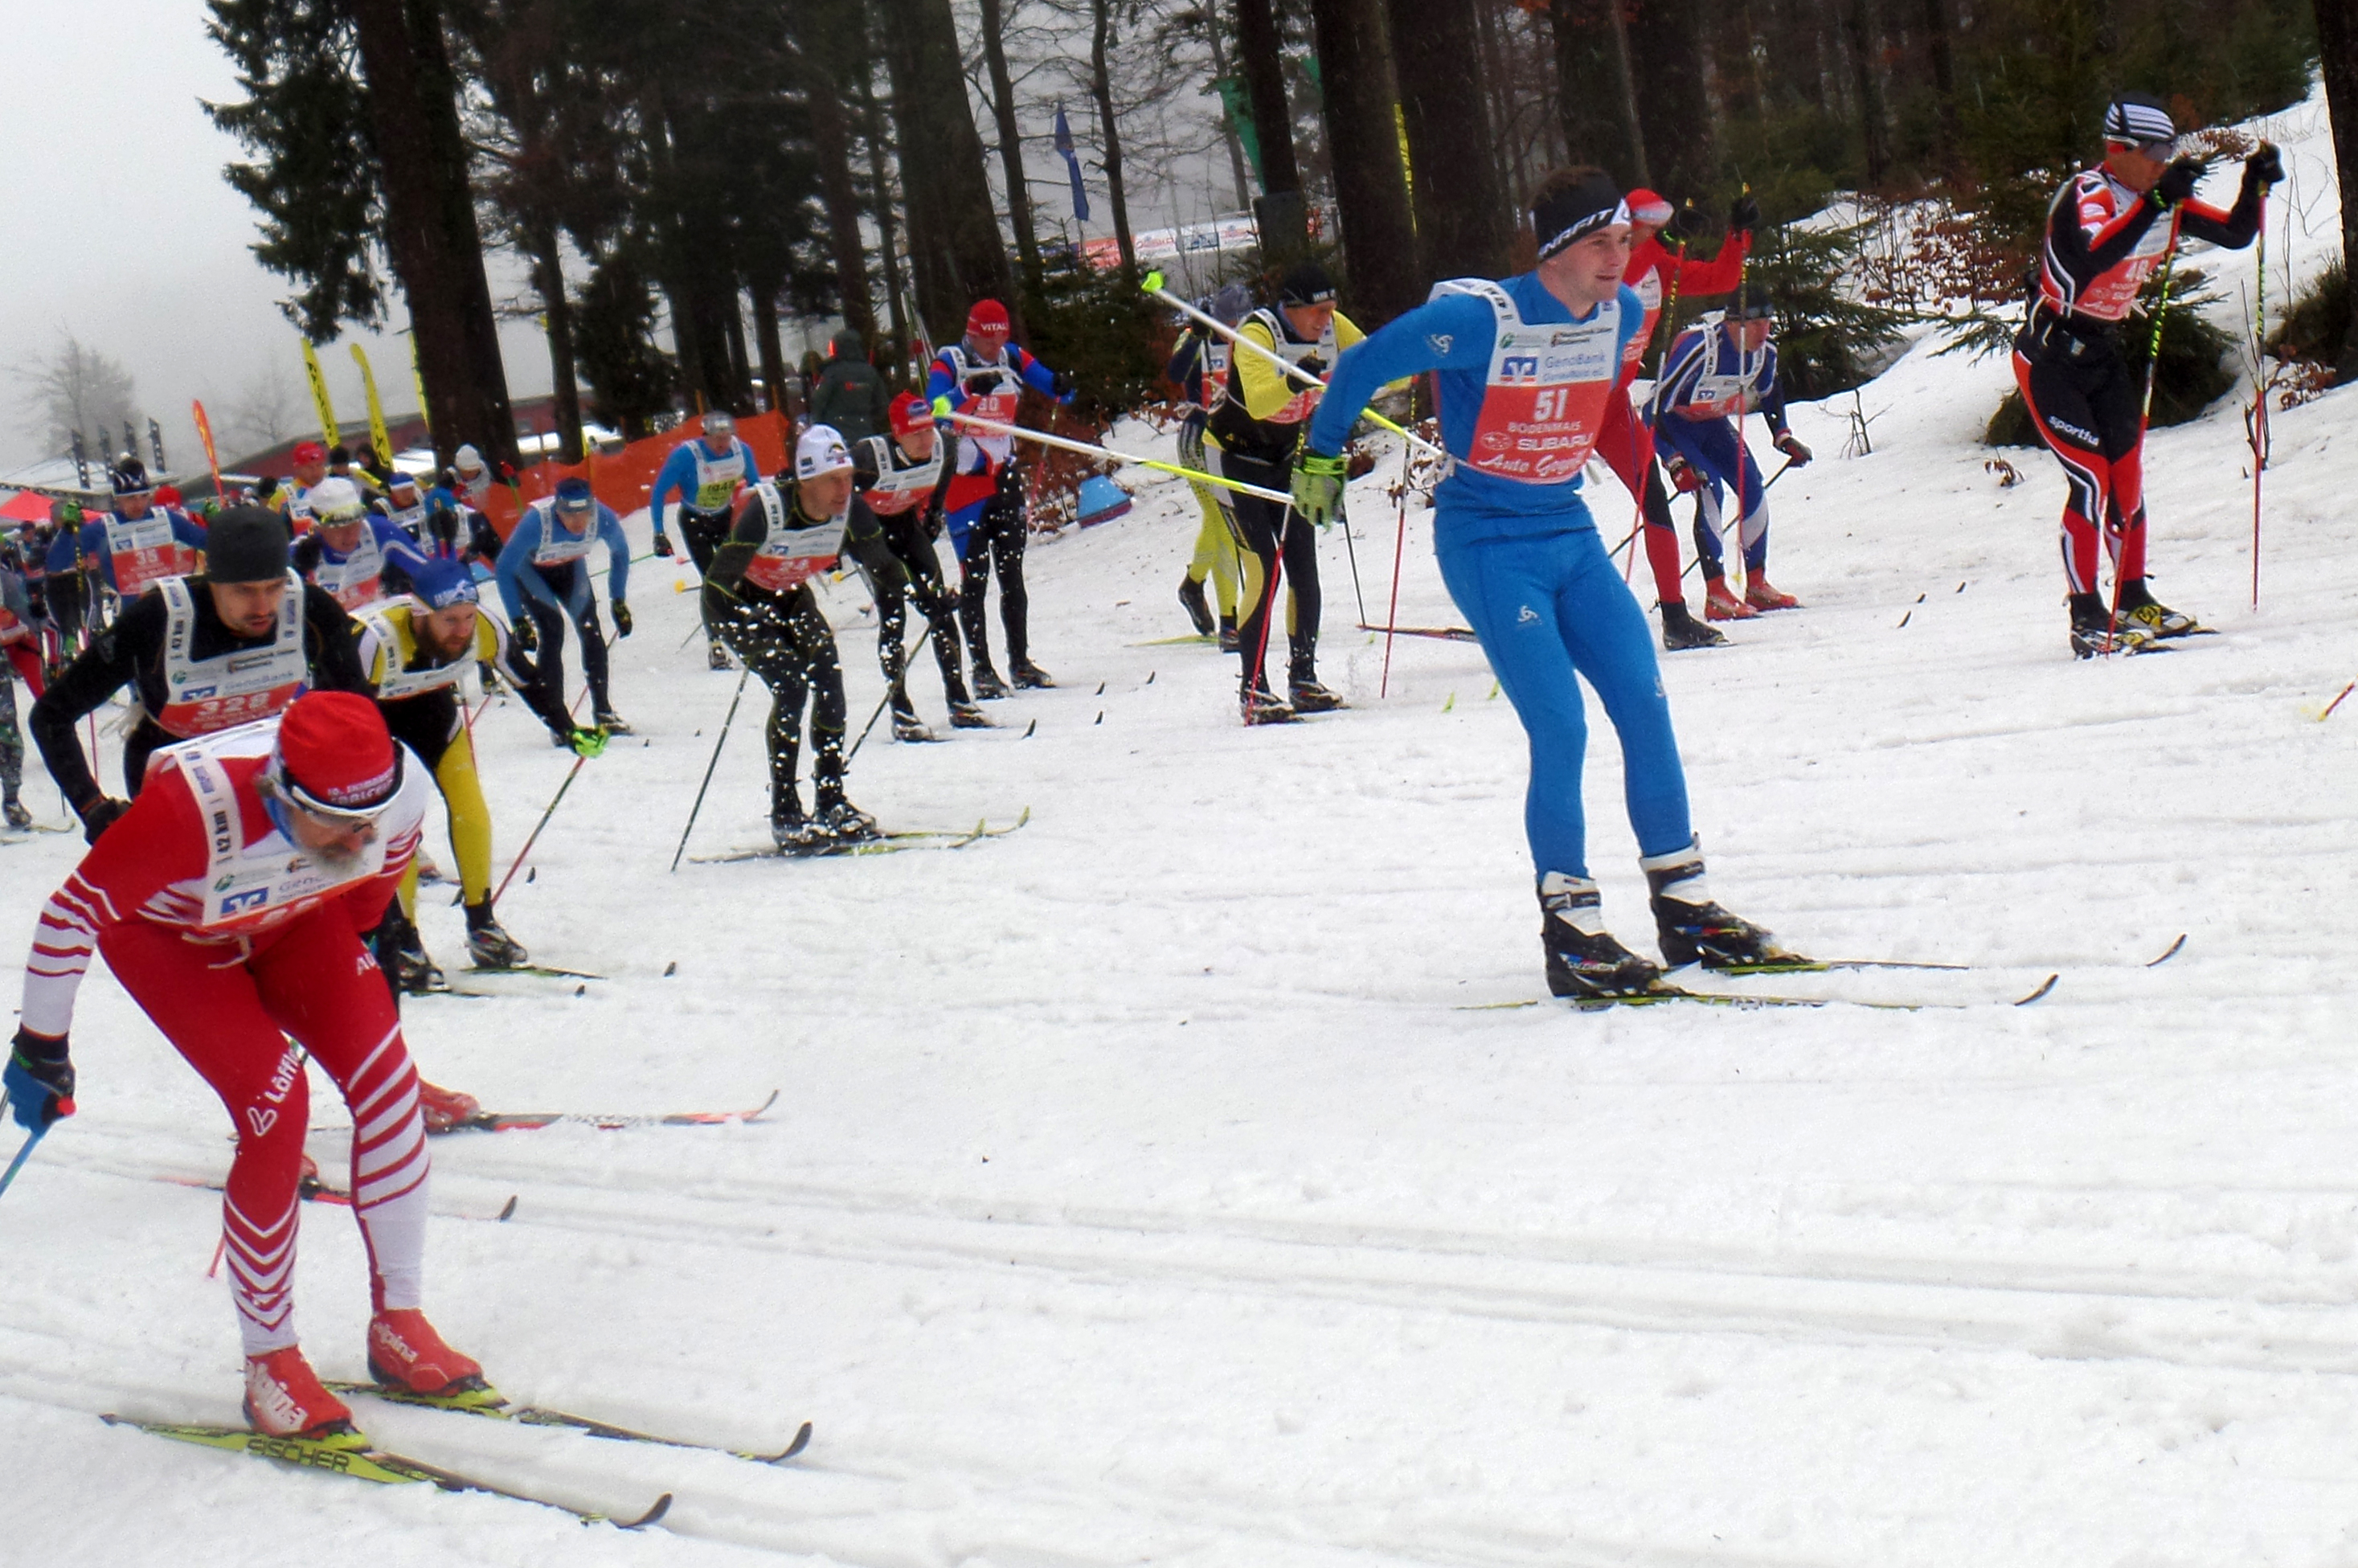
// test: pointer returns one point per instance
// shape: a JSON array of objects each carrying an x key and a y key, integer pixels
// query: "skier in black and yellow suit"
[{"x": 415, "y": 650}]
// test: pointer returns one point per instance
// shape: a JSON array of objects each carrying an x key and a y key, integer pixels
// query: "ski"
[
  {"x": 1665, "y": 992},
  {"x": 1801, "y": 965},
  {"x": 1447, "y": 634},
  {"x": 517, "y": 1122},
  {"x": 1191, "y": 638},
  {"x": 309, "y": 1189},
  {"x": 363, "y": 1463},
  {"x": 540, "y": 1415},
  {"x": 543, "y": 970},
  {"x": 882, "y": 844}
]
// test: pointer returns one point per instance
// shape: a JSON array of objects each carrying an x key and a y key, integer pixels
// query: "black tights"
[{"x": 784, "y": 639}]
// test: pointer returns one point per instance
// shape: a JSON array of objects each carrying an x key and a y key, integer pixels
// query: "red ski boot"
[
  {"x": 446, "y": 1110},
  {"x": 1763, "y": 595},
  {"x": 406, "y": 1356},
  {"x": 1720, "y": 603},
  {"x": 284, "y": 1398}
]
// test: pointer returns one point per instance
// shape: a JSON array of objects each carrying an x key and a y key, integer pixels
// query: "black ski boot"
[
  {"x": 1692, "y": 929},
  {"x": 1228, "y": 633},
  {"x": 969, "y": 716},
  {"x": 717, "y": 655},
  {"x": 1030, "y": 676},
  {"x": 1260, "y": 706},
  {"x": 789, "y": 829},
  {"x": 1582, "y": 958},
  {"x": 490, "y": 946},
  {"x": 412, "y": 971},
  {"x": 1199, "y": 610},
  {"x": 2139, "y": 604},
  {"x": 1303, "y": 690},
  {"x": 2095, "y": 632},
  {"x": 907, "y": 726},
  {"x": 987, "y": 687},
  {"x": 841, "y": 820},
  {"x": 612, "y": 722},
  {"x": 1681, "y": 630}
]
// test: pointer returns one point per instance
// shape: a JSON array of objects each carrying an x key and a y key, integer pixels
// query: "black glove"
[
  {"x": 622, "y": 619},
  {"x": 933, "y": 524},
  {"x": 40, "y": 1078},
  {"x": 101, "y": 814},
  {"x": 1313, "y": 365},
  {"x": 1745, "y": 214},
  {"x": 1687, "y": 224},
  {"x": 2264, "y": 166},
  {"x": 936, "y": 608},
  {"x": 1790, "y": 445},
  {"x": 662, "y": 543},
  {"x": 981, "y": 384},
  {"x": 2178, "y": 181},
  {"x": 527, "y": 632},
  {"x": 1061, "y": 382}
]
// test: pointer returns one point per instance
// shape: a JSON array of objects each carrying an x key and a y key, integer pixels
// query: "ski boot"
[
  {"x": 284, "y": 1397},
  {"x": 2139, "y": 604},
  {"x": 490, "y": 678},
  {"x": 907, "y": 726},
  {"x": 1681, "y": 630},
  {"x": 843, "y": 821},
  {"x": 1199, "y": 610},
  {"x": 14, "y": 808},
  {"x": 1228, "y": 633},
  {"x": 717, "y": 655},
  {"x": 967, "y": 715},
  {"x": 987, "y": 687},
  {"x": 1692, "y": 929},
  {"x": 1030, "y": 676},
  {"x": 1260, "y": 706},
  {"x": 1762, "y": 595},
  {"x": 1720, "y": 603},
  {"x": 446, "y": 1110},
  {"x": 612, "y": 724},
  {"x": 1582, "y": 958},
  {"x": 2095, "y": 634},
  {"x": 1306, "y": 694},
  {"x": 490, "y": 946},
  {"x": 792, "y": 832},
  {"x": 412, "y": 971},
  {"x": 406, "y": 1355}
]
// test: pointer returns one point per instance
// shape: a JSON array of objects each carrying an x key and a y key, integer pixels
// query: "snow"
[{"x": 1147, "y": 1186}]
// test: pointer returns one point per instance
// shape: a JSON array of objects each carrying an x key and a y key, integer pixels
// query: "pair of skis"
[{"x": 882, "y": 844}]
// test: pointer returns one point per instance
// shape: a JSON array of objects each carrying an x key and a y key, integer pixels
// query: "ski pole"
[
  {"x": 31, "y": 1139},
  {"x": 545, "y": 815},
  {"x": 709, "y": 768},
  {"x": 1391, "y": 621},
  {"x": 942, "y": 410},
  {"x": 2259, "y": 393},
  {"x": 1668, "y": 322},
  {"x": 1153, "y": 285},
  {"x": 2144, "y": 420}
]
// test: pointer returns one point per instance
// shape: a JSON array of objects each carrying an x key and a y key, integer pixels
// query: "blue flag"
[{"x": 1072, "y": 165}]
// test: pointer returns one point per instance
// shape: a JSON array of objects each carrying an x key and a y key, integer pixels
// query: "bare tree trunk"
[
  {"x": 1379, "y": 236},
  {"x": 429, "y": 232},
  {"x": 881, "y": 203},
  {"x": 1462, "y": 223},
  {"x": 940, "y": 149},
  {"x": 1101, "y": 89},
  {"x": 827, "y": 55},
  {"x": 1011, "y": 143},
  {"x": 1593, "y": 96},
  {"x": 1937, "y": 34},
  {"x": 1259, "y": 59},
  {"x": 1859, "y": 26},
  {"x": 1227, "y": 123},
  {"x": 2337, "y": 48},
  {"x": 556, "y": 312},
  {"x": 1666, "y": 55},
  {"x": 765, "y": 334}
]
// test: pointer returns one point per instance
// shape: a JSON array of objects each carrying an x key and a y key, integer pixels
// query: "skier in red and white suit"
[
  {"x": 228, "y": 901},
  {"x": 1622, "y": 440}
]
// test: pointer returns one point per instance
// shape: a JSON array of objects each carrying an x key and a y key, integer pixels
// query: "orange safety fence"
[{"x": 623, "y": 479}]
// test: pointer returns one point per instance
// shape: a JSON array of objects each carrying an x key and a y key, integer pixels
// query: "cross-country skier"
[
  {"x": 1199, "y": 366},
  {"x": 1626, "y": 443},
  {"x": 2107, "y": 229},
  {"x": 850, "y": 396},
  {"x": 984, "y": 374},
  {"x": 357, "y": 555},
  {"x": 756, "y": 595},
  {"x": 201, "y": 653},
  {"x": 545, "y": 568},
  {"x": 403, "y": 505},
  {"x": 294, "y": 498},
  {"x": 229, "y": 901},
  {"x": 125, "y": 551},
  {"x": 1719, "y": 371},
  {"x": 706, "y": 474},
  {"x": 1521, "y": 557},
  {"x": 1255, "y": 428},
  {"x": 901, "y": 478},
  {"x": 415, "y": 650},
  {"x": 20, "y": 659}
]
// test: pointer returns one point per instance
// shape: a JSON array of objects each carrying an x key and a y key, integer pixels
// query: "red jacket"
[{"x": 1651, "y": 266}]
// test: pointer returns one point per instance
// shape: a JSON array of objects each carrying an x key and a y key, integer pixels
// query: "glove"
[
  {"x": 933, "y": 522},
  {"x": 1683, "y": 477},
  {"x": 2178, "y": 181},
  {"x": 586, "y": 743},
  {"x": 1745, "y": 214},
  {"x": 1318, "y": 486},
  {"x": 891, "y": 576},
  {"x": 101, "y": 814},
  {"x": 1790, "y": 445},
  {"x": 662, "y": 543},
  {"x": 622, "y": 619},
  {"x": 527, "y": 632},
  {"x": 1062, "y": 384},
  {"x": 936, "y": 608},
  {"x": 1315, "y": 366},
  {"x": 40, "y": 1079},
  {"x": 1687, "y": 224},
  {"x": 2264, "y": 166}
]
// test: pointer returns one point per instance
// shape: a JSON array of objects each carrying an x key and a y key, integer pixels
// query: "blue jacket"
[
  {"x": 90, "y": 540},
  {"x": 1704, "y": 375},
  {"x": 518, "y": 579},
  {"x": 679, "y": 473}
]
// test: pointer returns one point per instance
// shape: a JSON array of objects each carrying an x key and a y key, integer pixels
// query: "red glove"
[{"x": 1683, "y": 476}]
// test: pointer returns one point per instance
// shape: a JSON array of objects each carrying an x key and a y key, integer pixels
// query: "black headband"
[{"x": 1562, "y": 216}]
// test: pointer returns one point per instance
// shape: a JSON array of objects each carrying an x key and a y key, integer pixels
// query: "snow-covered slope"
[{"x": 1144, "y": 1187}]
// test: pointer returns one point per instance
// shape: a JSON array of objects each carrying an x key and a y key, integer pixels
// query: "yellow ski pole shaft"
[
  {"x": 1153, "y": 285},
  {"x": 993, "y": 428}
]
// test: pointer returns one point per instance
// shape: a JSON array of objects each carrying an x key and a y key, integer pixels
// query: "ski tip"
[
  {"x": 2168, "y": 953},
  {"x": 1028, "y": 728},
  {"x": 507, "y": 1211},
  {"x": 671, "y": 968},
  {"x": 801, "y": 1442},
  {"x": 653, "y": 1516},
  {"x": 2044, "y": 987},
  {"x": 755, "y": 1114}
]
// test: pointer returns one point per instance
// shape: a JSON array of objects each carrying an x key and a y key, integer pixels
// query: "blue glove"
[{"x": 40, "y": 1079}]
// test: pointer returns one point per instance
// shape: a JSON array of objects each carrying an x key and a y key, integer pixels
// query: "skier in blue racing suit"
[{"x": 1526, "y": 367}]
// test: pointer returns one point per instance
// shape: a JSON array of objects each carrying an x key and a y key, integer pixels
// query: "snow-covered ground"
[{"x": 1147, "y": 1186}]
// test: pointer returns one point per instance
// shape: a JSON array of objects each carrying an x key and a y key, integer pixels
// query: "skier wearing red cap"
[
  {"x": 294, "y": 498},
  {"x": 984, "y": 374},
  {"x": 900, "y": 478},
  {"x": 229, "y": 901},
  {"x": 1624, "y": 441}
]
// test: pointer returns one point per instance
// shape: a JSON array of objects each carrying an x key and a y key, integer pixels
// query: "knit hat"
[
  {"x": 988, "y": 318},
  {"x": 129, "y": 477},
  {"x": 1646, "y": 207},
  {"x": 2134, "y": 119},
  {"x": 1566, "y": 213},
  {"x": 439, "y": 582},
  {"x": 336, "y": 501},
  {"x": 466, "y": 460},
  {"x": 246, "y": 543},
  {"x": 1306, "y": 282},
  {"x": 574, "y": 495},
  {"x": 821, "y": 451},
  {"x": 335, "y": 755},
  {"x": 910, "y": 414}
]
